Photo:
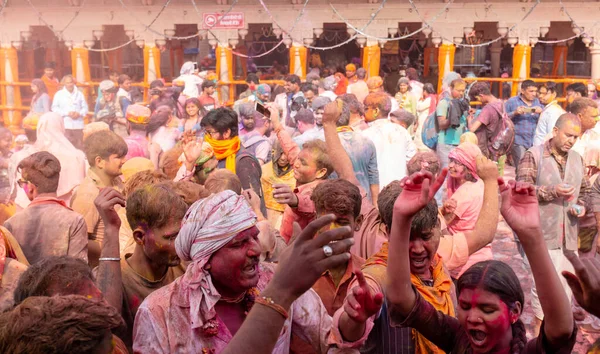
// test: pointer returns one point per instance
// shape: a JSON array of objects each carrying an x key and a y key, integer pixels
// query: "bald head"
[{"x": 567, "y": 117}]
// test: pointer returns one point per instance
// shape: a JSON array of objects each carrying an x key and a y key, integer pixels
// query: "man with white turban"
[{"x": 202, "y": 310}]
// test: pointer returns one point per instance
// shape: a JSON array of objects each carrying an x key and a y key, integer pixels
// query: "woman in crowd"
[
  {"x": 425, "y": 106},
  {"x": 465, "y": 198},
  {"x": 490, "y": 297},
  {"x": 194, "y": 113},
  {"x": 404, "y": 97},
  {"x": 162, "y": 137},
  {"x": 277, "y": 171},
  {"x": 40, "y": 102}
]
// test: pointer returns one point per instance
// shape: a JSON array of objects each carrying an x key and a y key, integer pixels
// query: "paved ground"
[{"x": 505, "y": 250}]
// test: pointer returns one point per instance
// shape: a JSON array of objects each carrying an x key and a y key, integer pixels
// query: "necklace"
[{"x": 236, "y": 300}]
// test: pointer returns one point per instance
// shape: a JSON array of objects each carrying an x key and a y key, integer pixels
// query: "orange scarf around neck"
[
  {"x": 439, "y": 295},
  {"x": 225, "y": 149}
]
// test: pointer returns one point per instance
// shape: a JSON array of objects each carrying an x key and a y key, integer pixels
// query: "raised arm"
[
  {"x": 109, "y": 269},
  {"x": 521, "y": 211},
  {"x": 487, "y": 222},
  {"x": 290, "y": 148},
  {"x": 416, "y": 193},
  {"x": 340, "y": 160}
]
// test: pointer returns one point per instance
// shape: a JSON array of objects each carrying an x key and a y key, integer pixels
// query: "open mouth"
[
  {"x": 251, "y": 269},
  {"x": 419, "y": 262},
  {"x": 477, "y": 337}
]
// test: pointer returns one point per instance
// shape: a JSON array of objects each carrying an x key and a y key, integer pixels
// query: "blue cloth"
[
  {"x": 363, "y": 155},
  {"x": 450, "y": 136},
  {"x": 525, "y": 124}
]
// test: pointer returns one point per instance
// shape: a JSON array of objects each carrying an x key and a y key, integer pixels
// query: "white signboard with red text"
[{"x": 215, "y": 20}]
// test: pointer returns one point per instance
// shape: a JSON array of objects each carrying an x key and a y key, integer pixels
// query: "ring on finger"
[{"x": 328, "y": 251}]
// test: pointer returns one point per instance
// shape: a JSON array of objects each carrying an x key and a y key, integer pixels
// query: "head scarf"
[
  {"x": 469, "y": 137},
  {"x": 135, "y": 165},
  {"x": 187, "y": 68},
  {"x": 208, "y": 225},
  {"x": 263, "y": 89},
  {"x": 51, "y": 138},
  {"x": 466, "y": 154},
  {"x": 350, "y": 67},
  {"x": 276, "y": 154},
  {"x": 138, "y": 114},
  {"x": 342, "y": 85}
]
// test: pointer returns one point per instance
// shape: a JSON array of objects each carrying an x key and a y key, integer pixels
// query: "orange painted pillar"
[
  {"x": 80, "y": 64},
  {"x": 445, "y": 61},
  {"x": 559, "y": 67},
  {"x": 151, "y": 67},
  {"x": 521, "y": 65},
  {"x": 10, "y": 95},
  {"x": 298, "y": 61},
  {"x": 224, "y": 70},
  {"x": 371, "y": 60}
]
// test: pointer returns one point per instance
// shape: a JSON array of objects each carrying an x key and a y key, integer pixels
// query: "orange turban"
[{"x": 350, "y": 67}]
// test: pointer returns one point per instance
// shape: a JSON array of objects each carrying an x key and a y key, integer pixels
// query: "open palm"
[
  {"x": 520, "y": 207},
  {"x": 417, "y": 190}
]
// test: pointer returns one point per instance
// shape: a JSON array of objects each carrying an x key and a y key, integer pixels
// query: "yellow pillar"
[
  {"x": 445, "y": 61},
  {"x": 151, "y": 67},
  {"x": 80, "y": 66},
  {"x": 298, "y": 61},
  {"x": 11, "y": 95},
  {"x": 521, "y": 65},
  {"x": 371, "y": 60},
  {"x": 224, "y": 70}
]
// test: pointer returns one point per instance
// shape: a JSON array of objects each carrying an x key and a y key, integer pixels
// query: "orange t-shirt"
[{"x": 51, "y": 86}]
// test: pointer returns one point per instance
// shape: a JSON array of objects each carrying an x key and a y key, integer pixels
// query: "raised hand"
[
  {"x": 284, "y": 194},
  {"x": 304, "y": 261},
  {"x": 361, "y": 304},
  {"x": 449, "y": 206},
  {"x": 332, "y": 112},
  {"x": 486, "y": 169},
  {"x": 585, "y": 283},
  {"x": 105, "y": 203},
  {"x": 417, "y": 191},
  {"x": 520, "y": 208}
]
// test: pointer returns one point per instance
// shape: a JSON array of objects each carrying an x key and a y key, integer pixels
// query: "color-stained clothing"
[
  {"x": 65, "y": 102},
  {"x": 372, "y": 233},
  {"x": 455, "y": 339},
  {"x": 83, "y": 203},
  {"x": 47, "y": 227},
  {"x": 208, "y": 102},
  {"x": 545, "y": 169},
  {"x": 469, "y": 201},
  {"x": 490, "y": 118},
  {"x": 12, "y": 264},
  {"x": 439, "y": 289},
  {"x": 407, "y": 101},
  {"x": 136, "y": 289},
  {"x": 363, "y": 156},
  {"x": 303, "y": 213},
  {"x": 137, "y": 145},
  {"x": 315, "y": 133},
  {"x": 331, "y": 295},
  {"x": 394, "y": 148},
  {"x": 525, "y": 124},
  {"x": 163, "y": 323},
  {"x": 268, "y": 179}
]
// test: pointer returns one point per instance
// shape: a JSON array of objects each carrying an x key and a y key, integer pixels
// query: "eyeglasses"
[
  {"x": 22, "y": 182},
  {"x": 209, "y": 132}
]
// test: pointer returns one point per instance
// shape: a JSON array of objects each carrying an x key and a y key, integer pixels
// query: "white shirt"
[
  {"x": 329, "y": 94},
  {"x": 589, "y": 138},
  {"x": 547, "y": 120},
  {"x": 394, "y": 148},
  {"x": 65, "y": 102}
]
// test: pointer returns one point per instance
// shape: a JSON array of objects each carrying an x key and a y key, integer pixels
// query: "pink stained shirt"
[
  {"x": 163, "y": 325},
  {"x": 469, "y": 201}
]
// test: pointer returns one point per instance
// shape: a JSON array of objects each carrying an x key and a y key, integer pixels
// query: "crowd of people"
[{"x": 329, "y": 215}]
